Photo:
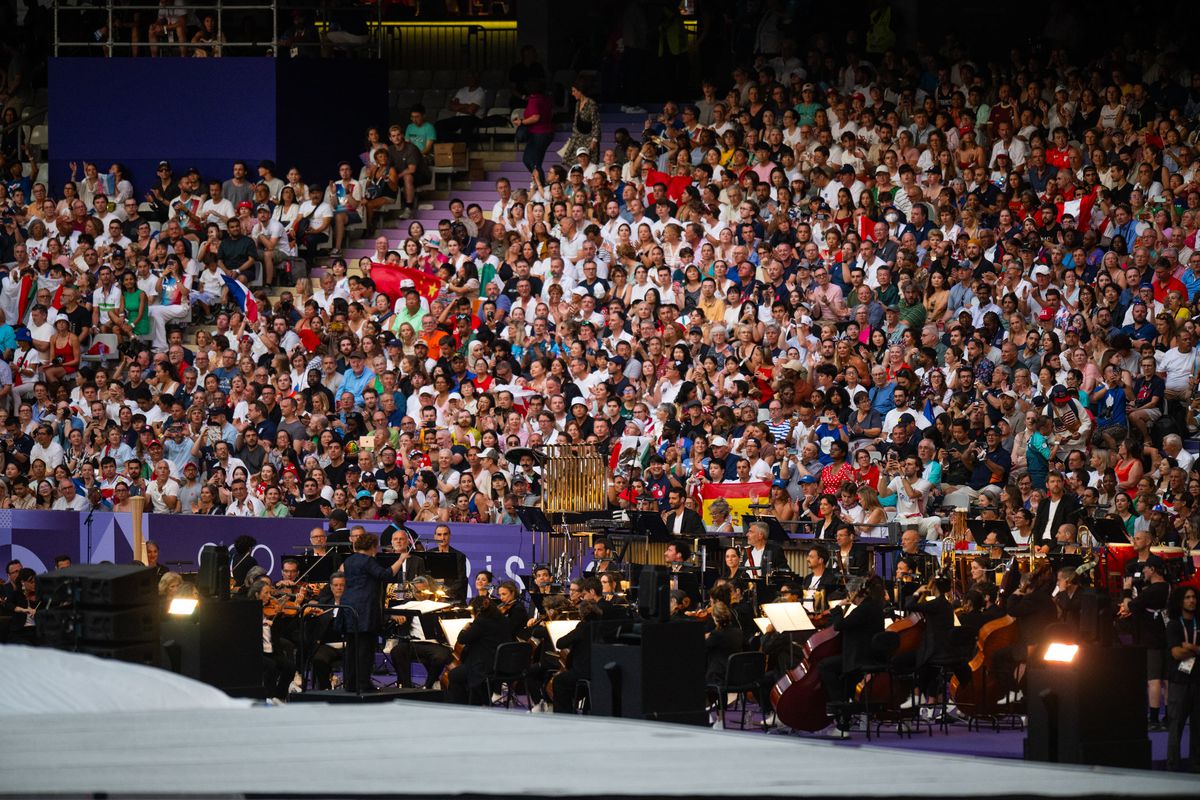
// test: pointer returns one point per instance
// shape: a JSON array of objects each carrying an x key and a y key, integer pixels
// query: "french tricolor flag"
[{"x": 239, "y": 294}]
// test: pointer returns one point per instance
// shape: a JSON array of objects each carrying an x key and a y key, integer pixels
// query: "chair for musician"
[
  {"x": 956, "y": 660},
  {"x": 883, "y": 646},
  {"x": 744, "y": 673},
  {"x": 508, "y": 670}
]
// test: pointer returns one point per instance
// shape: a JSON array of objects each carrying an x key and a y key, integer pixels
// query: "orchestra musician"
[
  {"x": 912, "y": 547},
  {"x": 761, "y": 556},
  {"x": 602, "y": 556},
  {"x": 576, "y": 647},
  {"x": 416, "y": 643},
  {"x": 456, "y": 589},
  {"x": 931, "y": 603},
  {"x": 243, "y": 558},
  {"x": 509, "y": 595},
  {"x": 279, "y": 654},
  {"x": 978, "y": 608},
  {"x": 856, "y": 623},
  {"x": 400, "y": 542},
  {"x": 855, "y": 558},
  {"x": 339, "y": 531},
  {"x": 546, "y": 658},
  {"x": 676, "y": 556},
  {"x": 732, "y": 567},
  {"x": 820, "y": 577},
  {"x": 610, "y": 588},
  {"x": 330, "y": 647},
  {"x": 361, "y": 627},
  {"x": 317, "y": 539},
  {"x": 483, "y": 583},
  {"x": 152, "y": 560},
  {"x": 1054, "y": 509},
  {"x": 467, "y": 683},
  {"x": 1033, "y": 607},
  {"x": 681, "y": 520},
  {"x": 782, "y": 650},
  {"x": 1068, "y": 598},
  {"x": 725, "y": 639}
]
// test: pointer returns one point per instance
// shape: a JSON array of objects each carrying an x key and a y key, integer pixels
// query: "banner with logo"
[{"x": 37, "y": 538}]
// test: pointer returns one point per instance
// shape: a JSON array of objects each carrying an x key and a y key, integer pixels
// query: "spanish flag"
[{"x": 738, "y": 495}]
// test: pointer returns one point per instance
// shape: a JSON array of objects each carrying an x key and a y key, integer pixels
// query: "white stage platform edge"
[{"x": 442, "y": 751}]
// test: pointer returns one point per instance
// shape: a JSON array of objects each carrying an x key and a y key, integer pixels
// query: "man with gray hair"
[
  {"x": 761, "y": 555},
  {"x": 1172, "y": 447}
]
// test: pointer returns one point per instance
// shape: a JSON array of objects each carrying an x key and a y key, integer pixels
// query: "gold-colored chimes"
[{"x": 574, "y": 478}]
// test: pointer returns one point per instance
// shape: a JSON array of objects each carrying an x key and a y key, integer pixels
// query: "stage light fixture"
[
  {"x": 1061, "y": 652},
  {"x": 183, "y": 606}
]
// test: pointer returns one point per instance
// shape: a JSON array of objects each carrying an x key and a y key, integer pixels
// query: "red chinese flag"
[{"x": 388, "y": 277}]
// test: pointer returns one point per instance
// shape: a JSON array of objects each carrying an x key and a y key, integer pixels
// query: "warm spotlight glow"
[
  {"x": 1060, "y": 652},
  {"x": 183, "y": 606}
]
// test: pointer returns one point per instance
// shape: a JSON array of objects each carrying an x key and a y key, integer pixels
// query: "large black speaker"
[
  {"x": 138, "y": 624},
  {"x": 107, "y": 610},
  {"x": 220, "y": 644},
  {"x": 1090, "y": 710},
  {"x": 213, "y": 580},
  {"x": 100, "y": 585},
  {"x": 654, "y": 593},
  {"x": 661, "y": 677}
]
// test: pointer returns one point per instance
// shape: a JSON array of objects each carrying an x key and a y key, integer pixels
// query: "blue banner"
[{"x": 36, "y": 538}]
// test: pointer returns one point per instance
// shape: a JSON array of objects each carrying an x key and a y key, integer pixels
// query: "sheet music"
[
  {"x": 452, "y": 627},
  {"x": 787, "y": 617},
  {"x": 762, "y": 623},
  {"x": 420, "y": 606},
  {"x": 558, "y": 628}
]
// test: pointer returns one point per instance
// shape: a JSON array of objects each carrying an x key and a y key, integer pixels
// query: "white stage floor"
[
  {"x": 427, "y": 750},
  {"x": 418, "y": 749}
]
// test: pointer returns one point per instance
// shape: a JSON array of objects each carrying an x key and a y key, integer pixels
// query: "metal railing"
[
  {"x": 116, "y": 17},
  {"x": 448, "y": 45},
  {"x": 419, "y": 44}
]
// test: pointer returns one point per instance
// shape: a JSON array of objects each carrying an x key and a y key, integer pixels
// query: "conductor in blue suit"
[{"x": 364, "y": 584}]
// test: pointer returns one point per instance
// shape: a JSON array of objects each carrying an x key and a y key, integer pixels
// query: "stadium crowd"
[{"x": 810, "y": 270}]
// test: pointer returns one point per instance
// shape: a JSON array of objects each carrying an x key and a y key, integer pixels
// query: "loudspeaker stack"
[{"x": 107, "y": 610}]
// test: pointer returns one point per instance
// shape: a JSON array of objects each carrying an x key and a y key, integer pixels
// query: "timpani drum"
[
  {"x": 1173, "y": 558},
  {"x": 1118, "y": 555}
]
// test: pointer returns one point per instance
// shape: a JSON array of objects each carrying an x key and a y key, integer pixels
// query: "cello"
[
  {"x": 877, "y": 689},
  {"x": 798, "y": 696},
  {"x": 984, "y": 689}
]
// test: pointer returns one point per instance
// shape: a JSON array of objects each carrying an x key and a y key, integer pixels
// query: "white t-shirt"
[
  {"x": 319, "y": 216},
  {"x": 1179, "y": 367},
  {"x": 217, "y": 211},
  {"x": 156, "y": 495},
  {"x": 908, "y": 506},
  {"x": 468, "y": 96}
]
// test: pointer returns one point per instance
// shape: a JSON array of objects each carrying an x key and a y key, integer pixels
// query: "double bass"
[
  {"x": 798, "y": 696},
  {"x": 984, "y": 689},
  {"x": 877, "y": 689}
]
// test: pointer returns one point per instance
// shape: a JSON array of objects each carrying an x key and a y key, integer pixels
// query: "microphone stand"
[{"x": 88, "y": 524}]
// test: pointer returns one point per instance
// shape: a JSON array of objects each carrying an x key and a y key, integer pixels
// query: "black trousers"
[
  {"x": 360, "y": 661},
  {"x": 1183, "y": 704},
  {"x": 323, "y": 662},
  {"x": 462, "y": 690},
  {"x": 565, "y": 684},
  {"x": 431, "y": 655},
  {"x": 278, "y": 670},
  {"x": 836, "y": 680}
]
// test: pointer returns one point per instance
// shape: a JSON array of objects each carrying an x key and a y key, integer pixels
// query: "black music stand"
[
  {"x": 444, "y": 567},
  {"x": 534, "y": 519},
  {"x": 319, "y": 569},
  {"x": 775, "y": 531},
  {"x": 1108, "y": 531},
  {"x": 650, "y": 525},
  {"x": 980, "y": 528}
]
